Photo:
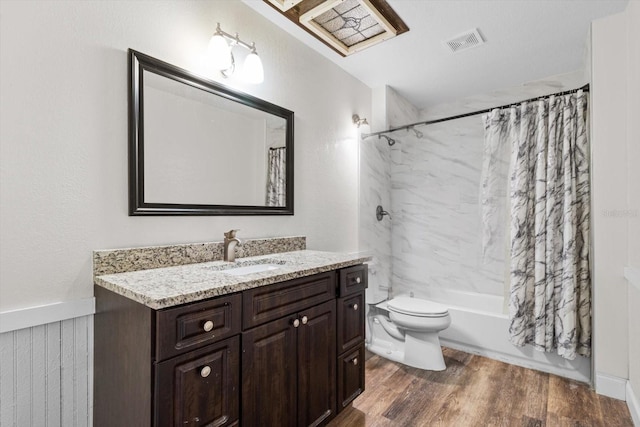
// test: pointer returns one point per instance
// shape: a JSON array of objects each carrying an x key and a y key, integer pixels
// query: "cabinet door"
[
  {"x": 316, "y": 364},
  {"x": 269, "y": 374},
  {"x": 350, "y": 376},
  {"x": 350, "y": 321},
  {"x": 200, "y": 388}
]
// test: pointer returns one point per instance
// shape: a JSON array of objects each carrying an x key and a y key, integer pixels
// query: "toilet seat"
[{"x": 417, "y": 307}]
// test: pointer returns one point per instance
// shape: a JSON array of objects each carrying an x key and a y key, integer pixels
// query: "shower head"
[{"x": 390, "y": 141}]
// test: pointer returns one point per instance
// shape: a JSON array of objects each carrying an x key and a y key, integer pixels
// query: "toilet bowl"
[{"x": 405, "y": 330}]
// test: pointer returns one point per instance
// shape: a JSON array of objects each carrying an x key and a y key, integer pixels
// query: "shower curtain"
[
  {"x": 276, "y": 177},
  {"x": 550, "y": 286}
]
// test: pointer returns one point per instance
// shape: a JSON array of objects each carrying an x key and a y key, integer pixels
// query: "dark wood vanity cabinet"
[
  {"x": 350, "y": 334},
  {"x": 200, "y": 388},
  {"x": 287, "y": 354},
  {"x": 289, "y": 369},
  {"x": 178, "y": 366}
]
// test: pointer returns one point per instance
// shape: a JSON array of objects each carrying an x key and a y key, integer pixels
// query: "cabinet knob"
[
  {"x": 304, "y": 320},
  {"x": 208, "y": 326},
  {"x": 355, "y": 361},
  {"x": 358, "y": 280},
  {"x": 296, "y": 323},
  {"x": 355, "y": 306},
  {"x": 204, "y": 372}
]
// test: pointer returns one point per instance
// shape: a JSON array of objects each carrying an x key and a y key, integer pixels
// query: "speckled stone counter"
[
  {"x": 133, "y": 259},
  {"x": 165, "y": 287}
]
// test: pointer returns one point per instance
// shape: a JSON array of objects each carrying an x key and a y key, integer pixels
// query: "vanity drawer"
[
  {"x": 272, "y": 302},
  {"x": 350, "y": 321},
  {"x": 191, "y": 326},
  {"x": 350, "y": 376},
  {"x": 353, "y": 279}
]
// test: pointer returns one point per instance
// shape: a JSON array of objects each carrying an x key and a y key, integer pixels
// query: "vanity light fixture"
[
  {"x": 359, "y": 121},
  {"x": 220, "y": 51}
]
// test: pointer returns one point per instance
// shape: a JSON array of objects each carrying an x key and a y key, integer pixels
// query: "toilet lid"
[{"x": 416, "y": 307}]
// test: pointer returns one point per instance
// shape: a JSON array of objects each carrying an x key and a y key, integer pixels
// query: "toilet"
[{"x": 405, "y": 329}]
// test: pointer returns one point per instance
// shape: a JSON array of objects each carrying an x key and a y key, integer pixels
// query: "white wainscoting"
[{"x": 46, "y": 371}]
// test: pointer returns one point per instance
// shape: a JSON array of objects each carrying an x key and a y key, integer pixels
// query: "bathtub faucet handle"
[{"x": 380, "y": 213}]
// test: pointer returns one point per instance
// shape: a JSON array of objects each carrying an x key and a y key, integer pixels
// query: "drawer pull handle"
[
  {"x": 355, "y": 306},
  {"x": 355, "y": 361},
  {"x": 204, "y": 372},
  {"x": 304, "y": 320},
  {"x": 296, "y": 323},
  {"x": 358, "y": 280},
  {"x": 208, "y": 326}
]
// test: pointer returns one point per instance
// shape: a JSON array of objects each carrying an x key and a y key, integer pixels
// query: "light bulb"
[
  {"x": 252, "y": 70},
  {"x": 220, "y": 52}
]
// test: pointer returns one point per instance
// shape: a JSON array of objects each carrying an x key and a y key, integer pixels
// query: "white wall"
[
  {"x": 616, "y": 201},
  {"x": 610, "y": 186},
  {"x": 633, "y": 200},
  {"x": 63, "y": 136}
]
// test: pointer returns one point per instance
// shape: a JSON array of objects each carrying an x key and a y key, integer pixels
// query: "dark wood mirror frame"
[{"x": 139, "y": 62}]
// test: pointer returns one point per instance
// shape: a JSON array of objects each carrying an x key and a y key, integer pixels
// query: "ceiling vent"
[{"x": 466, "y": 40}]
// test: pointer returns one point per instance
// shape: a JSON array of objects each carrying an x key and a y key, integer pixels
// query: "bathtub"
[{"x": 480, "y": 326}]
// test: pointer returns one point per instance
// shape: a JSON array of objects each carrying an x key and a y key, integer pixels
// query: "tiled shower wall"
[
  {"x": 432, "y": 190},
  {"x": 375, "y": 236},
  {"x": 437, "y": 237}
]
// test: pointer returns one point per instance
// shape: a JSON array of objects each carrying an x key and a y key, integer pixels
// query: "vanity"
[
  {"x": 272, "y": 340},
  {"x": 183, "y": 338}
]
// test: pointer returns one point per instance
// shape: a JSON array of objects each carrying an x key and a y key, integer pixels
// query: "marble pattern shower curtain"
[
  {"x": 550, "y": 286},
  {"x": 276, "y": 177}
]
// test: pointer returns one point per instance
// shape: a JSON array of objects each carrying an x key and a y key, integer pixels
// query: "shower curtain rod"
[{"x": 460, "y": 116}]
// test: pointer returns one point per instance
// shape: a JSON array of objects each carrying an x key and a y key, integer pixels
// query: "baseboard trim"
[
  {"x": 611, "y": 386},
  {"x": 43, "y": 314},
  {"x": 633, "y": 404}
]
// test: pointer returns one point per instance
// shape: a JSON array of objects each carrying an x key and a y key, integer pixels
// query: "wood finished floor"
[{"x": 476, "y": 391}]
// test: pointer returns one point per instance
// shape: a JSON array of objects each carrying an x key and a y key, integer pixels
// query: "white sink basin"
[{"x": 250, "y": 269}]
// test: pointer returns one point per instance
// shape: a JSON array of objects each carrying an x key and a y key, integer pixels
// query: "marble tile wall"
[
  {"x": 432, "y": 189},
  {"x": 375, "y": 236},
  {"x": 437, "y": 226}
]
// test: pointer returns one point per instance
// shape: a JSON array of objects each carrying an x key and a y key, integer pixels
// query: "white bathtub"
[{"x": 479, "y": 326}]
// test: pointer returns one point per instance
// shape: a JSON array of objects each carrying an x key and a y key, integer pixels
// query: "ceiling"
[{"x": 525, "y": 40}]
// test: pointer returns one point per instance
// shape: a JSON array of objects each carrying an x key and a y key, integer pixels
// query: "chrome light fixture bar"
[{"x": 220, "y": 50}]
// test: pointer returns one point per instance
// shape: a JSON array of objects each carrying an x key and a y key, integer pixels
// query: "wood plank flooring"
[{"x": 476, "y": 391}]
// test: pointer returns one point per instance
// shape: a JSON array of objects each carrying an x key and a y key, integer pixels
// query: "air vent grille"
[{"x": 466, "y": 40}]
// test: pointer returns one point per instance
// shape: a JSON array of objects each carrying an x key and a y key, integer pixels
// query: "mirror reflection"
[{"x": 203, "y": 149}]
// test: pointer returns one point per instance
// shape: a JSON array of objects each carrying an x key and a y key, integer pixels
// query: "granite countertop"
[{"x": 169, "y": 286}]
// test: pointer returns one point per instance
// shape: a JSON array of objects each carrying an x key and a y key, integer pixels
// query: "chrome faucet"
[{"x": 230, "y": 243}]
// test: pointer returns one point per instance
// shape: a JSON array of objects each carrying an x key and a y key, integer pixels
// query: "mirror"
[{"x": 199, "y": 148}]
